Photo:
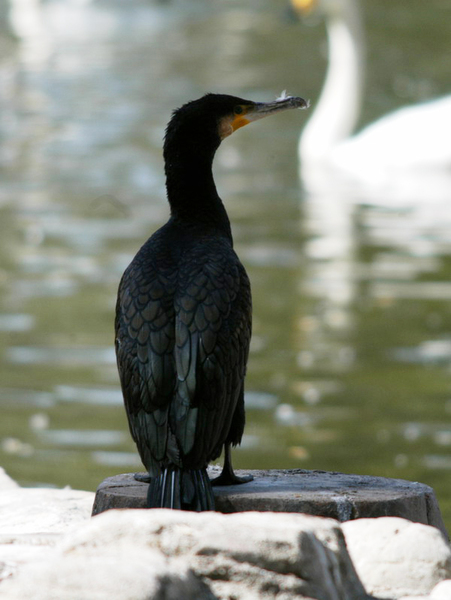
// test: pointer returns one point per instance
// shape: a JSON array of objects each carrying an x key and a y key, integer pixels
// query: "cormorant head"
[{"x": 201, "y": 125}]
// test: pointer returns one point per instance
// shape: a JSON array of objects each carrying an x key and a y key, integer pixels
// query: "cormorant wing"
[
  {"x": 213, "y": 330},
  {"x": 144, "y": 349}
]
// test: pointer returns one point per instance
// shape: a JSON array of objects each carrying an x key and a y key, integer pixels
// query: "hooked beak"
[
  {"x": 259, "y": 110},
  {"x": 264, "y": 109}
]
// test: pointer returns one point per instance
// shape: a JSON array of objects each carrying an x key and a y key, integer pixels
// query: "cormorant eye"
[{"x": 238, "y": 110}]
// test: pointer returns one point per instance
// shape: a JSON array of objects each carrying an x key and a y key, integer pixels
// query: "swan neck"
[{"x": 338, "y": 107}]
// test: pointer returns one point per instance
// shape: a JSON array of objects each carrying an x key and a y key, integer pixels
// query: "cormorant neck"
[{"x": 191, "y": 189}]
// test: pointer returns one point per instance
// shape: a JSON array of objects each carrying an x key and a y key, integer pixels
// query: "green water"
[{"x": 351, "y": 354}]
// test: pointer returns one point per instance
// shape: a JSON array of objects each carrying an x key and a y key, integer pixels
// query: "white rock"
[
  {"x": 147, "y": 554},
  {"x": 246, "y": 555},
  {"x": 395, "y": 557},
  {"x": 37, "y": 510},
  {"x": 6, "y": 483},
  {"x": 33, "y": 520},
  {"x": 442, "y": 591},
  {"x": 136, "y": 574},
  {"x": 50, "y": 549}
]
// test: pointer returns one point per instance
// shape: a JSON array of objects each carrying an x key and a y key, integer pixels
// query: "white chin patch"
[{"x": 225, "y": 128}]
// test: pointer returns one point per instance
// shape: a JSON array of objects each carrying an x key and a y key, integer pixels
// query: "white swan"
[{"x": 411, "y": 139}]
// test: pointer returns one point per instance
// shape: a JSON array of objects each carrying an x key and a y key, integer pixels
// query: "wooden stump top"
[{"x": 321, "y": 493}]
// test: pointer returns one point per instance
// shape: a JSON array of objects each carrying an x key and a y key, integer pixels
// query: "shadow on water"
[{"x": 351, "y": 353}]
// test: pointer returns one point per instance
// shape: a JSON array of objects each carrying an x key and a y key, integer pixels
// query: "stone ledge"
[{"x": 326, "y": 494}]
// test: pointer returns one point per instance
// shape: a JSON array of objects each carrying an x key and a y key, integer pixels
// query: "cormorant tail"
[{"x": 182, "y": 489}]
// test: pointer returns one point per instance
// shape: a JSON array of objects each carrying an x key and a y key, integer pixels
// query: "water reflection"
[
  {"x": 16, "y": 322},
  {"x": 105, "y": 396},
  {"x": 329, "y": 279},
  {"x": 82, "y": 437},
  {"x": 349, "y": 368},
  {"x": 427, "y": 352},
  {"x": 122, "y": 460},
  {"x": 17, "y": 398},
  {"x": 71, "y": 357}
]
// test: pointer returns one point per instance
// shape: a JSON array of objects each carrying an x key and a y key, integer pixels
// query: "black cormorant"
[{"x": 183, "y": 315}]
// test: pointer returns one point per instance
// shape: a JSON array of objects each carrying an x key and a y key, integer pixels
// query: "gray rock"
[
  {"x": 335, "y": 495},
  {"x": 395, "y": 557}
]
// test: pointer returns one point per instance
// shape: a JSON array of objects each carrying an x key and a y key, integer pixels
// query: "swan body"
[{"x": 413, "y": 139}]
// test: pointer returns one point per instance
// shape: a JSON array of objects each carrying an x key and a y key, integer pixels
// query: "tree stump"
[{"x": 321, "y": 493}]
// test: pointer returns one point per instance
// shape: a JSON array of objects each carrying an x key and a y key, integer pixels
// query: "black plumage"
[{"x": 183, "y": 316}]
